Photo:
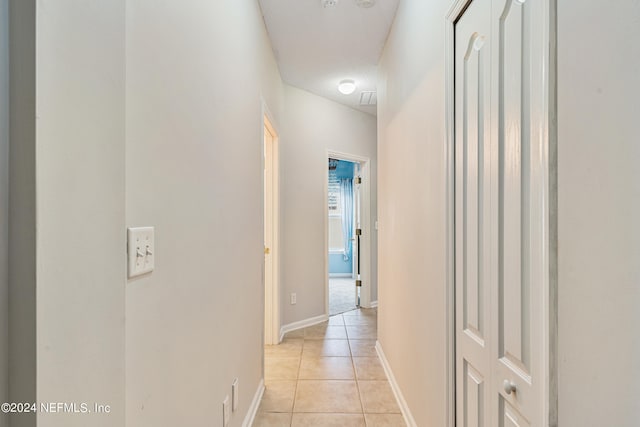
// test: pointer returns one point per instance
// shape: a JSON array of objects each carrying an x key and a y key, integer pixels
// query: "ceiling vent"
[
  {"x": 365, "y": 3},
  {"x": 368, "y": 98},
  {"x": 329, "y": 3}
]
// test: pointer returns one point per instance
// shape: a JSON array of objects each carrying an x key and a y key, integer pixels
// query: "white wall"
[
  {"x": 411, "y": 206},
  {"x": 313, "y": 126},
  {"x": 73, "y": 225},
  {"x": 4, "y": 207},
  {"x": 80, "y": 208},
  {"x": 196, "y": 71},
  {"x": 599, "y": 207}
]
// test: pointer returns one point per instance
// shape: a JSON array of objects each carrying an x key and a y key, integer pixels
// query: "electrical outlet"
[
  {"x": 234, "y": 395},
  {"x": 294, "y": 298},
  {"x": 226, "y": 412}
]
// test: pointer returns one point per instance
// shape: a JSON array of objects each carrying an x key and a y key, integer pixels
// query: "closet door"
[
  {"x": 501, "y": 214},
  {"x": 473, "y": 211}
]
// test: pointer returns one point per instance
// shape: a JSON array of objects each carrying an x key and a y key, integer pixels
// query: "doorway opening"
[
  {"x": 347, "y": 233},
  {"x": 343, "y": 217},
  {"x": 271, "y": 253}
]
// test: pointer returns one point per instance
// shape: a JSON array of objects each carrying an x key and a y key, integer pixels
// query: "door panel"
[
  {"x": 510, "y": 417},
  {"x": 500, "y": 214},
  {"x": 474, "y": 397},
  {"x": 518, "y": 292},
  {"x": 474, "y": 250},
  {"x": 514, "y": 185},
  {"x": 473, "y": 273},
  {"x": 357, "y": 242},
  {"x": 269, "y": 335}
]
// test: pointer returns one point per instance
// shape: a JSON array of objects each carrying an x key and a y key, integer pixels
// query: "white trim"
[
  {"x": 302, "y": 324},
  {"x": 272, "y": 295},
  {"x": 456, "y": 9},
  {"x": 402, "y": 403},
  {"x": 255, "y": 404},
  {"x": 374, "y": 304},
  {"x": 551, "y": 364},
  {"x": 340, "y": 275}
]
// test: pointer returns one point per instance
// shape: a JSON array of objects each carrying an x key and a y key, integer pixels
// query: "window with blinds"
[
  {"x": 335, "y": 218},
  {"x": 334, "y": 193}
]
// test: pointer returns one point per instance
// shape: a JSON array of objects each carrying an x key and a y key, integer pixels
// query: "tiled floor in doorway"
[{"x": 328, "y": 375}]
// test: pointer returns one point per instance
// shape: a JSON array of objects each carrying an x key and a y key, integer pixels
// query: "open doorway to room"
[
  {"x": 343, "y": 219},
  {"x": 348, "y": 251}
]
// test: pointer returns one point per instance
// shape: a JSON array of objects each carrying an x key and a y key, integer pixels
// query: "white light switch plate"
[{"x": 141, "y": 250}]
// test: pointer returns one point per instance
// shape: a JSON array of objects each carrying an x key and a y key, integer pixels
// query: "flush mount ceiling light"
[
  {"x": 329, "y": 3},
  {"x": 347, "y": 87},
  {"x": 365, "y": 3}
]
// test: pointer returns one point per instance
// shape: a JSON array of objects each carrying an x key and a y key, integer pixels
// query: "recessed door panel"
[
  {"x": 510, "y": 417},
  {"x": 474, "y": 397},
  {"x": 474, "y": 191},
  {"x": 514, "y": 186}
]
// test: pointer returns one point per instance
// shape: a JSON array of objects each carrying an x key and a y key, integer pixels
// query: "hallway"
[
  {"x": 328, "y": 375},
  {"x": 501, "y": 231}
]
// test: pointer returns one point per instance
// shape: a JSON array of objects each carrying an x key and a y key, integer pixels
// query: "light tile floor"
[{"x": 328, "y": 375}]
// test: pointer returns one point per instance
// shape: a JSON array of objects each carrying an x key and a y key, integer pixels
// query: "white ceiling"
[{"x": 317, "y": 47}]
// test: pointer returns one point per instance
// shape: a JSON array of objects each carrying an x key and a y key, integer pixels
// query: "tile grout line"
[
  {"x": 355, "y": 375},
  {"x": 295, "y": 392}
]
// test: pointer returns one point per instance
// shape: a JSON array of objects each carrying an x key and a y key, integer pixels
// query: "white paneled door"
[{"x": 501, "y": 267}]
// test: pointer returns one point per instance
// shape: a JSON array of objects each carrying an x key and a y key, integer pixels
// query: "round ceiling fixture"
[
  {"x": 365, "y": 3},
  {"x": 347, "y": 87},
  {"x": 329, "y": 3}
]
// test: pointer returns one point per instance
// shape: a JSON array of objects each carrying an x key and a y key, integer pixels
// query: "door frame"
[
  {"x": 365, "y": 221},
  {"x": 550, "y": 306},
  {"x": 271, "y": 329}
]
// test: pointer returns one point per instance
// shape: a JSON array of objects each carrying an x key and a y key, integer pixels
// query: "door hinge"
[{"x": 359, "y": 283}]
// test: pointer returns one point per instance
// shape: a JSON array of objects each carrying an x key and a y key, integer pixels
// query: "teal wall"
[{"x": 337, "y": 264}]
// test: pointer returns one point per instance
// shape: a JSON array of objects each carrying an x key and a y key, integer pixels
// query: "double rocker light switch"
[{"x": 141, "y": 250}]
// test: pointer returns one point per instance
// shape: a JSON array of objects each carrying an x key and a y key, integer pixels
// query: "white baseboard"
[
  {"x": 373, "y": 304},
  {"x": 255, "y": 404},
  {"x": 404, "y": 408},
  {"x": 302, "y": 324},
  {"x": 341, "y": 275}
]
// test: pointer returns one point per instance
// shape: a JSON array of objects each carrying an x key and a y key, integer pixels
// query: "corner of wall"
[
  {"x": 412, "y": 271},
  {"x": 4, "y": 207},
  {"x": 395, "y": 387},
  {"x": 22, "y": 215},
  {"x": 209, "y": 234}
]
